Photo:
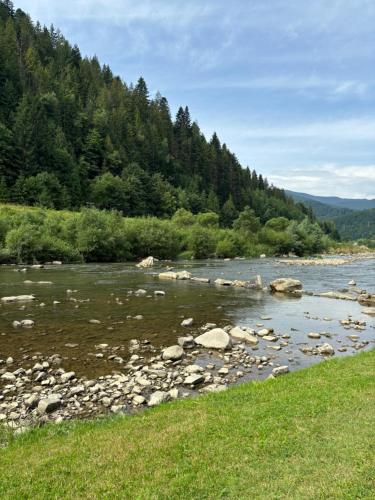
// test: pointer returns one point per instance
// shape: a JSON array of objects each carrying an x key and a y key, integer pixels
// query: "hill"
[
  {"x": 333, "y": 201},
  {"x": 72, "y": 133},
  {"x": 357, "y": 225}
]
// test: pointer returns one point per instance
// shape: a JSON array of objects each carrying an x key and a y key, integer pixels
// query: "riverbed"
[{"x": 87, "y": 305}]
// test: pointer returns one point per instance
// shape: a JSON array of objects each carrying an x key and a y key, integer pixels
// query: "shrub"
[
  {"x": 201, "y": 242},
  {"x": 226, "y": 248},
  {"x": 208, "y": 219}
]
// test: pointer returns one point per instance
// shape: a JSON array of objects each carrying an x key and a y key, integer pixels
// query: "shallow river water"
[{"x": 103, "y": 292}]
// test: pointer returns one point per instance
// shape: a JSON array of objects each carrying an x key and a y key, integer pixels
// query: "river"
[{"x": 105, "y": 293}]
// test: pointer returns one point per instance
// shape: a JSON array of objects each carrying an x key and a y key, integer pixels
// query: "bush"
[
  {"x": 208, "y": 219},
  {"x": 226, "y": 248},
  {"x": 151, "y": 236},
  {"x": 183, "y": 218},
  {"x": 201, "y": 242}
]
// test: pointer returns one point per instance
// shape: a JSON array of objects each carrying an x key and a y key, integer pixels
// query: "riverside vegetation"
[{"x": 30, "y": 235}]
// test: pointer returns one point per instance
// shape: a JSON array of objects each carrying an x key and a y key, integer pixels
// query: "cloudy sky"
[{"x": 289, "y": 85}]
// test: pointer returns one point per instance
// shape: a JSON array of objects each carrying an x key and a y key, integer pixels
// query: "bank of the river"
[{"x": 306, "y": 435}]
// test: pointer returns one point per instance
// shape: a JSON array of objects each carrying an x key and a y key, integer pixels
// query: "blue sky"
[{"x": 288, "y": 85}]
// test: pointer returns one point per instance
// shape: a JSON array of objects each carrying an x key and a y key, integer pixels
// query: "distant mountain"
[
  {"x": 351, "y": 222},
  {"x": 350, "y": 203}
]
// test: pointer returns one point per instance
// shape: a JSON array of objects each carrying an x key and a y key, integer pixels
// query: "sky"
[{"x": 288, "y": 85}]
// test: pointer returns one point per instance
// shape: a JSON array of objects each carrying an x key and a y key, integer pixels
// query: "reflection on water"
[{"x": 105, "y": 293}]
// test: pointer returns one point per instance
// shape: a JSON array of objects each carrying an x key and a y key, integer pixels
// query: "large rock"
[
  {"x": 18, "y": 298},
  {"x": 369, "y": 310},
  {"x": 8, "y": 377},
  {"x": 214, "y": 339},
  {"x": 50, "y": 404},
  {"x": 159, "y": 397},
  {"x": 367, "y": 299},
  {"x": 173, "y": 353},
  {"x": 194, "y": 379},
  {"x": 286, "y": 285},
  {"x": 221, "y": 282},
  {"x": 149, "y": 262},
  {"x": 242, "y": 335}
]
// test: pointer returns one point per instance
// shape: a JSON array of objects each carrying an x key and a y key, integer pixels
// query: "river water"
[{"x": 105, "y": 292}]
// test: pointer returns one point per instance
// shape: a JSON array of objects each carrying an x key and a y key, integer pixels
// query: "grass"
[{"x": 306, "y": 435}]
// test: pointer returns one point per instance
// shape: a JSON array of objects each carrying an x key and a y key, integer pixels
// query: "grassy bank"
[
  {"x": 307, "y": 435},
  {"x": 29, "y": 234}
]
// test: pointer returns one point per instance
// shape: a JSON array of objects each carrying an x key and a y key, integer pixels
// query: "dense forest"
[
  {"x": 358, "y": 224},
  {"x": 72, "y": 134}
]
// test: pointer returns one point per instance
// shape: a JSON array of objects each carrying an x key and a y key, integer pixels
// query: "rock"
[
  {"x": 32, "y": 402},
  {"x": 326, "y": 350},
  {"x": 221, "y": 282},
  {"x": 173, "y": 353},
  {"x": 367, "y": 299},
  {"x": 223, "y": 371},
  {"x": 169, "y": 275},
  {"x": 262, "y": 256},
  {"x": 50, "y": 404},
  {"x": 337, "y": 295},
  {"x": 270, "y": 338},
  {"x": 158, "y": 397},
  {"x": 18, "y": 298},
  {"x": 187, "y": 322},
  {"x": 286, "y": 285},
  {"x": 280, "y": 370},
  {"x": 94, "y": 322},
  {"x": 27, "y": 323},
  {"x": 159, "y": 293},
  {"x": 186, "y": 342},
  {"x": 244, "y": 336},
  {"x": 148, "y": 262},
  {"x": 369, "y": 310},
  {"x": 8, "y": 377},
  {"x": 174, "y": 393},
  {"x": 194, "y": 379},
  {"x": 214, "y": 388},
  {"x": 214, "y": 339},
  {"x": 139, "y": 317},
  {"x": 352, "y": 283},
  {"x": 200, "y": 280},
  {"x": 139, "y": 400},
  {"x": 140, "y": 292},
  {"x": 16, "y": 324},
  {"x": 314, "y": 335},
  {"x": 57, "y": 262},
  {"x": 183, "y": 275},
  {"x": 190, "y": 369},
  {"x": 65, "y": 377}
]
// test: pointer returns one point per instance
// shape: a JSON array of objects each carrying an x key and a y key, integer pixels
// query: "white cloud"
[{"x": 348, "y": 181}]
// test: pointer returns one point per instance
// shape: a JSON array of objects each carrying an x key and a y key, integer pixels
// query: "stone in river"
[
  {"x": 8, "y": 377},
  {"x": 173, "y": 353},
  {"x": 214, "y": 339},
  {"x": 186, "y": 342},
  {"x": 149, "y": 262},
  {"x": 239, "y": 334},
  {"x": 65, "y": 377},
  {"x": 314, "y": 335},
  {"x": 18, "y": 298},
  {"x": 286, "y": 285},
  {"x": 187, "y": 322}
]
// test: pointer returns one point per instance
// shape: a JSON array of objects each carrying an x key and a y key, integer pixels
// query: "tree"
[
  {"x": 247, "y": 222},
  {"x": 228, "y": 213},
  {"x": 108, "y": 192}
]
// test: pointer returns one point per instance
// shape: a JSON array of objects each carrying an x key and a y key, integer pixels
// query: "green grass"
[{"x": 307, "y": 435}]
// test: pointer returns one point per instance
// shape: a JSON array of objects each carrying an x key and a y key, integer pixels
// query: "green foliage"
[
  {"x": 247, "y": 222},
  {"x": 226, "y": 248},
  {"x": 208, "y": 219},
  {"x": 201, "y": 242},
  {"x": 107, "y": 191},
  {"x": 183, "y": 217}
]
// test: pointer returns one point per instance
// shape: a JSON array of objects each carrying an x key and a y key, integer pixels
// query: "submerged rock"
[{"x": 18, "y": 298}]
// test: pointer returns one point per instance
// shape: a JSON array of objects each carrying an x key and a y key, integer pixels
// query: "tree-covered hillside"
[
  {"x": 73, "y": 134},
  {"x": 359, "y": 224}
]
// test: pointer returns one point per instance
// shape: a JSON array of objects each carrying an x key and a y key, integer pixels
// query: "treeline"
[
  {"x": 36, "y": 235},
  {"x": 72, "y": 134}
]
